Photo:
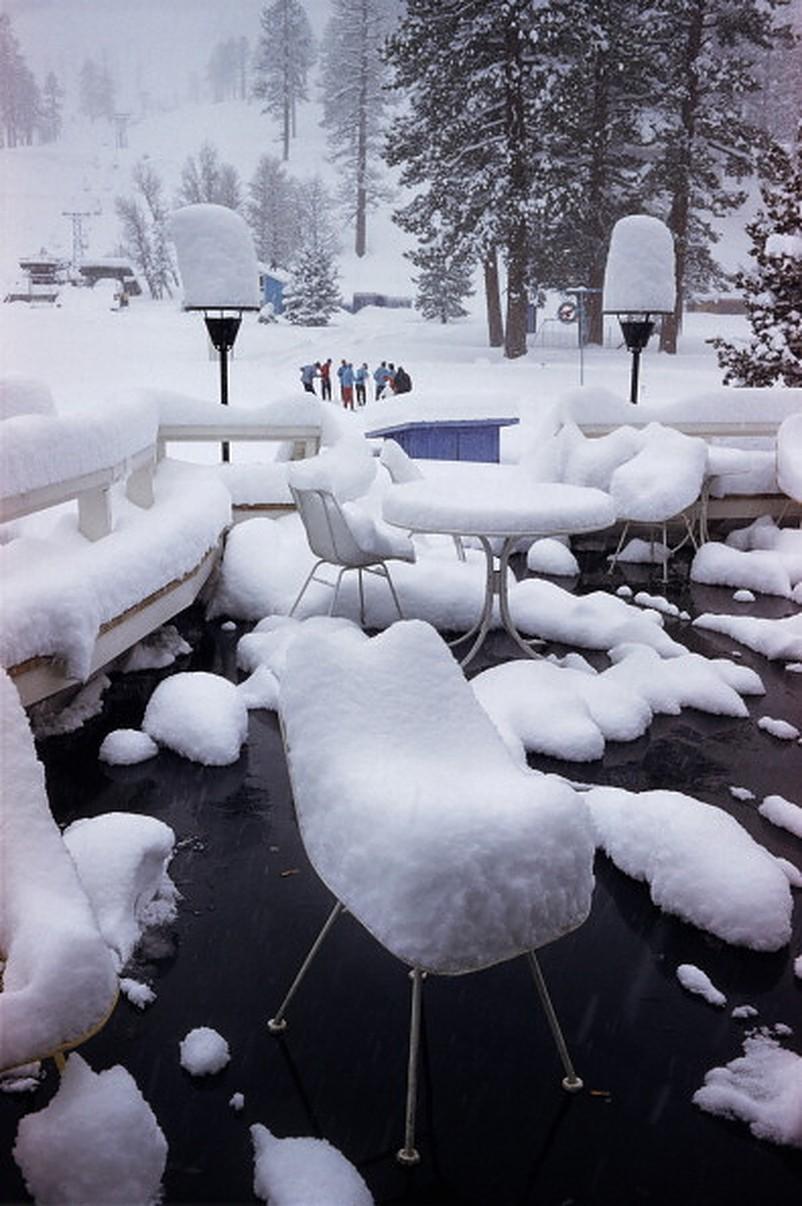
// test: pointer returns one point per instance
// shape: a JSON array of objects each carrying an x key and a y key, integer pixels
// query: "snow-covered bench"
[
  {"x": 59, "y": 983},
  {"x": 417, "y": 818}
]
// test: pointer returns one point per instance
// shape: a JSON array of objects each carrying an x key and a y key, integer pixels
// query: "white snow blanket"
[
  {"x": 789, "y": 457},
  {"x": 699, "y": 863},
  {"x": 122, "y": 861},
  {"x": 639, "y": 275},
  {"x": 59, "y": 980},
  {"x": 20, "y": 395},
  {"x": 413, "y": 812},
  {"x": 97, "y": 1141},
  {"x": 216, "y": 257},
  {"x": 299, "y": 1172},
  {"x": 762, "y": 1088}
]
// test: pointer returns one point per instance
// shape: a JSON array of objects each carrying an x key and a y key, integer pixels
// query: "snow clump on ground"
[
  {"x": 698, "y": 982},
  {"x": 200, "y": 716},
  {"x": 297, "y": 1172},
  {"x": 762, "y": 1088},
  {"x": 204, "y": 1051}
]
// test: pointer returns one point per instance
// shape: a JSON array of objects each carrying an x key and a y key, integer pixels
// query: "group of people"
[{"x": 354, "y": 381}]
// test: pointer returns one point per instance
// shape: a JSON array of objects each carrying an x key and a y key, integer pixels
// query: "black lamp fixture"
[
  {"x": 637, "y": 330},
  {"x": 223, "y": 328}
]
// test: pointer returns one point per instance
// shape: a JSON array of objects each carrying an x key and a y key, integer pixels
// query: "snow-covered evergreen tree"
[
  {"x": 271, "y": 213},
  {"x": 143, "y": 218},
  {"x": 354, "y": 76},
  {"x": 444, "y": 280},
  {"x": 52, "y": 101},
  {"x": 471, "y": 138},
  {"x": 773, "y": 289},
  {"x": 95, "y": 90},
  {"x": 285, "y": 53},
  {"x": 227, "y": 70},
  {"x": 208, "y": 179},
  {"x": 313, "y": 294},
  {"x": 20, "y": 101},
  {"x": 706, "y": 68}
]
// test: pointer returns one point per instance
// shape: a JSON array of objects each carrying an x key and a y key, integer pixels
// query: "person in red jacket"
[{"x": 325, "y": 380}]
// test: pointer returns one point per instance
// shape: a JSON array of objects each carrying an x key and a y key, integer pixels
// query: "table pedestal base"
[{"x": 496, "y": 587}]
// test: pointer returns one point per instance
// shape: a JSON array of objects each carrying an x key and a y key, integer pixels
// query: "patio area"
[{"x": 494, "y": 1126}]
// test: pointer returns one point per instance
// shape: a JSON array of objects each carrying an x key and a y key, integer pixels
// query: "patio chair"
[
  {"x": 344, "y": 536},
  {"x": 453, "y": 856}
]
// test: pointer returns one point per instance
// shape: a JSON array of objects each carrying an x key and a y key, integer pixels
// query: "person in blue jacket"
[
  {"x": 308, "y": 374},
  {"x": 347, "y": 386},
  {"x": 360, "y": 377},
  {"x": 381, "y": 376}
]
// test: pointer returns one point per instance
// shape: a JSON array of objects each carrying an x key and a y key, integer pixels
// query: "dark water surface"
[{"x": 495, "y": 1127}]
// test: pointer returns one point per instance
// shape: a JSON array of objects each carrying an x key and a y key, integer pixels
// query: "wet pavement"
[{"x": 495, "y": 1127}]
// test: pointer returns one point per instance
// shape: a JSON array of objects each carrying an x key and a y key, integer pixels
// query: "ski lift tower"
[
  {"x": 121, "y": 121},
  {"x": 220, "y": 274},
  {"x": 79, "y": 242}
]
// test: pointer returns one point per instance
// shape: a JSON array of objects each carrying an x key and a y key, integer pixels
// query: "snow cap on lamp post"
[
  {"x": 216, "y": 258},
  {"x": 639, "y": 281}
]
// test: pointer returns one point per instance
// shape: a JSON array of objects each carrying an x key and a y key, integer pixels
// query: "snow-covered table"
[{"x": 499, "y": 506}]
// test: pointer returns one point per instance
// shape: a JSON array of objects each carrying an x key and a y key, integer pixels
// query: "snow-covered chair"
[
  {"x": 662, "y": 483},
  {"x": 417, "y": 818},
  {"x": 346, "y": 536},
  {"x": 401, "y": 468}
]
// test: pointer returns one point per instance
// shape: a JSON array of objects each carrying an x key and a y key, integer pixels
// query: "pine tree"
[
  {"x": 772, "y": 290},
  {"x": 52, "y": 101},
  {"x": 209, "y": 180},
  {"x": 444, "y": 280},
  {"x": 285, "y": 53},
  {"x": 95, "y": 90},
  {"x": 707, "y": 68},
  {"x": 471, "y": 139},
  {"x": 313, "y": 294},
  {"x": 271, "y": 213},
  {"x": 354, "y": 101},
  {"x": 20, "y": 102}
]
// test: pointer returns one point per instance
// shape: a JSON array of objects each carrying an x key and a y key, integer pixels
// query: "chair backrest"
[{"x": 327, "y": 530}]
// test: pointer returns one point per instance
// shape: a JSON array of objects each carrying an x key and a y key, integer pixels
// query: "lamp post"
[
  {"x": 639, "y": 282},
  {"x": 223, "y": 329}
]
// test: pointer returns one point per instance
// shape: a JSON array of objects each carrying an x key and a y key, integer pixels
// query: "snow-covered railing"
[
  {"x": 295, "y": 421},
  {"x": 46, "y": 460}
]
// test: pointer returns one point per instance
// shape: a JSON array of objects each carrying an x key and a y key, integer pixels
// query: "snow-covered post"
[
  {"x": 218, "y": 269},
  {"x": 639, "y": 282}
]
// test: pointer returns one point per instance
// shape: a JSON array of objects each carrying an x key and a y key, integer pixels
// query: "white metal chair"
[
  {"x": 454, "y": 859},
  {"x": 348, "y": 541}
]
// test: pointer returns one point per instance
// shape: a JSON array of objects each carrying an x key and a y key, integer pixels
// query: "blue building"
[{"x": 273, "y": 282}]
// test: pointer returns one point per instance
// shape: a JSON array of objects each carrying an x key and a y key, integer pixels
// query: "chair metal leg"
[
  {"x": 361, "y": 598},
  {"x": 571, "y": 1082},
  {"x": 278, "y": 1022},
  {"x": 393, "y": 592},
  {"x": 309, "y": 578},
  {"x": 619, "y": 547},
  {"x": 409, "y": 1154},
  {"x": 336, "y": 593}
]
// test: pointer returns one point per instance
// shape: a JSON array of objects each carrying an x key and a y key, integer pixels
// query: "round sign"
[{"x": 567, "y": 312}]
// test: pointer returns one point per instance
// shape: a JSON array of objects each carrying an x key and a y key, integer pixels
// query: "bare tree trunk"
[
  {"x": 596, "y": 194},
  {"x": 360, "y": 241},
  {"x": 495, "y": 324},
  {"x": 285, "y": 127},
  {"x": 518, "y": 237},
  {"x": 515, "y": 326}
]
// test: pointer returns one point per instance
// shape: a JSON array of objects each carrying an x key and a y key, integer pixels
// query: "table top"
[{"x": 497, "y": 501}]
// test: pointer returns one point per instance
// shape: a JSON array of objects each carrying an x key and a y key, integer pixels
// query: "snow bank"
[
  {"x": 593, "y": 621},
  {"x": 393, "y": 797},
  {"x": 216, "y": 257},
  {"x": 789, "y": 457},
  {"x": 762, "y": 1088},
  {"x": 778, "y": 728},
  {"x": 551, "y": 556},
  {"x": 662, "y": 479},
  {"x": 773, "y": 638},
  {"x": 97, "y": 1141},
  {"x": 126, "y": 747},
  {"x": 199, "y": 715},
  {"x": 719, "y": 565},
  {"x": 24, "y": 396},
  {"x": 700, "y": 864},
  {"x": 37, "y": 450},
  {"x": 298, "y": 1172},
  {"x": 782, "y": 812},
  {"x": 58, "y": 979},
  {"x": 122, "y": 861},
  {"x": 639, "y": 275},
  {"x": 203, "y": 1051}
]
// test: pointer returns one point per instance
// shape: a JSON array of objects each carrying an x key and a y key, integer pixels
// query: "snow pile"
[
  {"x": 780, "y": 729},
  {"x": 300, "y": 1172},
  {"x": 662, "y": 479},
  {"x": 700, "y": 864},
  {"x": 97, "y": 1141},
  {"x": 593, "y": 621},
  {"x": 216, "y": 257},
  {"x": 199, "y": 715},
  {"x": 393, "y": 799},
  {"x": 639, "y": 275},
  {"x": 156, "y": 651},
  {"x": 719, "y": 565},
  {"x": 126, "y": 747},
  {"x": 51, "y": 718},
  {"x": 346, "y": 470},
  {"x": 203, "y": 1051},
  {"x": 122, "y": 861},
  {"x": 24, "y": 396},
  {"x": 641, "y": 552},
  {"x": 551, "y": 556},
  {"x": 266, "y": 647},
  {"x": 694, "y": 980},
  {"x": 568, "y": 710},
  {"x": 136, "y": 992},
  {"x": 58, "y": 978},
  {"x": 37, "y": 450},
  {"x": 773, "y": 638},
  {"x": 398, "y": 464},
  {"x": 762, "y": 1088},
  {"x": 592, "y": 462},
  {"x": 789, "y": 457},
  {"x": 782, "y": 812}
]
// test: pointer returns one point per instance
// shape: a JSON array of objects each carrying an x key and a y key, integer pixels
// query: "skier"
[
  {"x": 347, "y": 385},
  {"x": 340, "y": 370},
  {"x": 325, "y": 380},
  {"x": 402, "y": 382},
  {"x": 381, "y": 376},
  {"x": 308, "y": 374},
  {"x": 360, "y": 377}
]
